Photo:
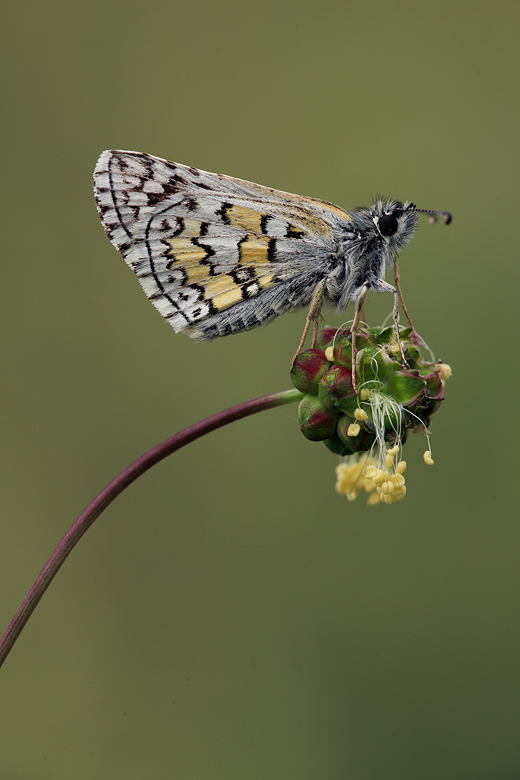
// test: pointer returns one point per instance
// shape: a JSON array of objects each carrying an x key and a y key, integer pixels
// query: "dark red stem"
[{"x": 122, "y": 481}]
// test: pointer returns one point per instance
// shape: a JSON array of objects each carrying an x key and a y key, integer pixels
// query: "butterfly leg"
[
  {"x": 359, "y": 313},
  {"x": 414, "y": 335},
  {"x": 398, "y": 286},
  {"x": 381, "y": 286},
  {"x": 315, "y": 327},
  {"x": 362, "y": 316},
  {"x": 396, "y": 327},
  {"x": 313, "y": 316}
]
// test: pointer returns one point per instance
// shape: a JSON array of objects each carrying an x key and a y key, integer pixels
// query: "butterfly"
[{"x": 218, "y": 255}]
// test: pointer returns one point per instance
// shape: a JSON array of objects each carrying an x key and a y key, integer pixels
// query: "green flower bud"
[
  {"x": 325, "y": 336},
  {"x": 362, "y": 441},
  {"x": 335, "y": 389},
  {"x": 308, "y": 369},
  {"x": 405, "y": 386},
  {"x": 337, "y": 446},
  {"x": 316, "y": 421}
]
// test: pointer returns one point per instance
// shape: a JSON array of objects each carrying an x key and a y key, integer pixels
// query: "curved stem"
[{"x": 112, "y": 490}]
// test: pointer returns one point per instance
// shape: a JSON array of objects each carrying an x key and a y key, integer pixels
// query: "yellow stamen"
[
  {"x": 379, "y": 477},
  {"x": 428, "y": 458},
  {"x": 444, "y": 372},
  {"x": 351, "y": 478},
  {"x": 360, "y": 414},
  {"x": 329, "y": 353},
  {"x": 353, "y": 429}
]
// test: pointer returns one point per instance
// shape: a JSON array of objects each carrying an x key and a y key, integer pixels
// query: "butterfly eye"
[{"x": 388, "y": 224}]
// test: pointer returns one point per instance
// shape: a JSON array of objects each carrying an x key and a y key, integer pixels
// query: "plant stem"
[{"x": 112, "y": 490}]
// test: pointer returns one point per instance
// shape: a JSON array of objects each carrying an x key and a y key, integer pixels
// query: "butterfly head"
[{"x": 396, "y": 222}]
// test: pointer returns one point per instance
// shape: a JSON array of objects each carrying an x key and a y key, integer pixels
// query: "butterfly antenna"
[{"x": 434, "y": 215}]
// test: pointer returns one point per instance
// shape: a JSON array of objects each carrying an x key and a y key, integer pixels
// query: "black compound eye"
[{"x": 388, "y": 224}]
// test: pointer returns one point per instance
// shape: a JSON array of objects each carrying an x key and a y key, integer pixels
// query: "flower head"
[{"x": 369, "y": 428}]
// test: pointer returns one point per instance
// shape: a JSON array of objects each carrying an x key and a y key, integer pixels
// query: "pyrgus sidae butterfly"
[{"x": 217, "y": 255}]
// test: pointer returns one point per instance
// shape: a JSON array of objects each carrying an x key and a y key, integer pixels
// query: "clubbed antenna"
[{"x": 434, "y": 215}]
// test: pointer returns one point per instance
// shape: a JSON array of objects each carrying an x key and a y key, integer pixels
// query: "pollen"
[
  {"x": 444, "y": 372},
  {"x": 351, "y": 478},
  {"x": 386, "y": 486},
  {"x": 389, "y": 483}
]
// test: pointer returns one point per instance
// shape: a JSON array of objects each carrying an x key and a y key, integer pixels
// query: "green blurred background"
[{"x": 230, "y": 616}]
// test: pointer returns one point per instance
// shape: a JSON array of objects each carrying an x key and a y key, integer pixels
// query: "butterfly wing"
[{"x": 214, "y": 254}]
